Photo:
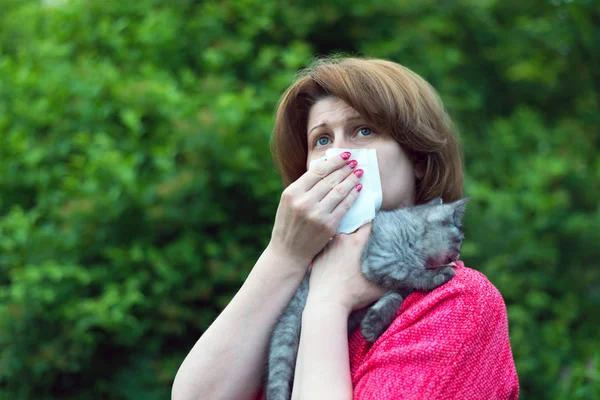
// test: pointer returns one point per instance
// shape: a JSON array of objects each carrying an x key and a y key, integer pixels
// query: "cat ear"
[
  {"x": 459, "y": 206},
  {"x": 435, "y": 202}
]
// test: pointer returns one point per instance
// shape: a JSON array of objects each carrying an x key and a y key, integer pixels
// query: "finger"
[
  {"x": 339, "y": 200},
  {"x": 325, "y": 185},
  {"x": 321, "y": 170}
]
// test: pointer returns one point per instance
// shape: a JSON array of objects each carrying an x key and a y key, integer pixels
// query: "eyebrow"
[{"x": 325, "y": 123}]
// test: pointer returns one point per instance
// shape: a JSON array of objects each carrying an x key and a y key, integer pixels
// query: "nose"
[{"x": 341, "y": 142}]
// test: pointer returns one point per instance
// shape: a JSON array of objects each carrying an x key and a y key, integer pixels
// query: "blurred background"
[{"x": 137, "y": 188}]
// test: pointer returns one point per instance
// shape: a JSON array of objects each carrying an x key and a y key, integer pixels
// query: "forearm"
[
  {"x": 322, "y": 367},
  {"x": 228, "y": 361}
]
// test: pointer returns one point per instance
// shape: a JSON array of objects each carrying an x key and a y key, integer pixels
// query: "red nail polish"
[
  {"x": 352, "y": 163},
  {"x": 359, "y": 187},
  {"x": 358, "y": 172},
  {"x": 345, "y": 155}
]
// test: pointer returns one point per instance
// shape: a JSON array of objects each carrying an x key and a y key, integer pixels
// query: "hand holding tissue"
[{"x": 370, "y": 197}]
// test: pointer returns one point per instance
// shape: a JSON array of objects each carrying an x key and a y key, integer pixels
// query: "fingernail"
[
  {"x": 359, "y": 187},
  {"x": 358, "y": 172},
  {"x": 352, "y": 163},
  {"x": 345, "y": 155}
]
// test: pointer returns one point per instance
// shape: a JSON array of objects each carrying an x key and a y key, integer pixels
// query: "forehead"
[{"x": 330, "y": 109}]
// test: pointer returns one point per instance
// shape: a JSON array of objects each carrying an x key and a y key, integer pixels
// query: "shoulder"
[
  {"x": 443, "y": 342},
  {"x": 468, "y": 295},
  {"x": 459, "y": 313},
  {"x": 467, "y": 283}
]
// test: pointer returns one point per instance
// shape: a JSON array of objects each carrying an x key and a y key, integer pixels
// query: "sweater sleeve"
[{"x": 449, "y": 344}]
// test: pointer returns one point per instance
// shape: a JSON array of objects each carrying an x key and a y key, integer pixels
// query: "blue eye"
[
  {"x": 365, "y": 131},
  {"x": 323, "y": 141}
]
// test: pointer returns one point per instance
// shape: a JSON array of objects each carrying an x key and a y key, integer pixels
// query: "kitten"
[{"x": 412, "y": 248}]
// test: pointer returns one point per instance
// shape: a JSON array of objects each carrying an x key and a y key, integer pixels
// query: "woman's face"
[{"x": 332, "y": 124}]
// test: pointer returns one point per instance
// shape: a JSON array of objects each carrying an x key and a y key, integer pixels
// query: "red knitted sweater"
[{"x": 450, "y": 343}]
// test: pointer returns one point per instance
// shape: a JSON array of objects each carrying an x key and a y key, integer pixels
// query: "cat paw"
[
  {"x": 372, "y": 326},
  {"x": 443, "y": 275}
]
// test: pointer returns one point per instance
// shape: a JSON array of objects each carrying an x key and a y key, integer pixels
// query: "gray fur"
[{"x": 408, "y": 249}]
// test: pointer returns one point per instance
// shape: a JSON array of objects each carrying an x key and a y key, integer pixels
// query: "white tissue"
[{"x": 370, "y": 197}]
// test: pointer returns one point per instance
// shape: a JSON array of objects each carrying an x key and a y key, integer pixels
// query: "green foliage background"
[{"x": 137, "y": 188}]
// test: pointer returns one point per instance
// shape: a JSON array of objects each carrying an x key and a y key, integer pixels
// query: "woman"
[{"x": 449, "y": 343}]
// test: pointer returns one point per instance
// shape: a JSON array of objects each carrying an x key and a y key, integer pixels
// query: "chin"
[{"x": 387, "y": 205}]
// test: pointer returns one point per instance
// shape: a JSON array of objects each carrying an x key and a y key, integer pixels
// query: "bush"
[{"x": 138, "y": 189}]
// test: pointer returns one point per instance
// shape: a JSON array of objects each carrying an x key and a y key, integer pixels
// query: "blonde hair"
[{"x": 392, "y": 98}]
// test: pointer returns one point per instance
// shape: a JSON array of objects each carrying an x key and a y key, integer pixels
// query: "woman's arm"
[
  {"x": 227, "y": 361},
  {"x": 336, "y": 288},
  {"x": 322, "y": 368}
]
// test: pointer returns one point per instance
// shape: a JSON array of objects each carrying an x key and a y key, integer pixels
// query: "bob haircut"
[{"x": 392, "y": 98}]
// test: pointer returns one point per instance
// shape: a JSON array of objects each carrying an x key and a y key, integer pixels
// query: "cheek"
[
  {"x": 397, "y": 179},
  {"x": 394, "y": 166}
]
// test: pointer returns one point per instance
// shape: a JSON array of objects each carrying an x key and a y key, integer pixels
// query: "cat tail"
[{"x": 283, "y": 347}]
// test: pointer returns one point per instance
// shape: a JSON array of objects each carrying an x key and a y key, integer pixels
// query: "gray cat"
[{"x": 408, "y": 249}]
